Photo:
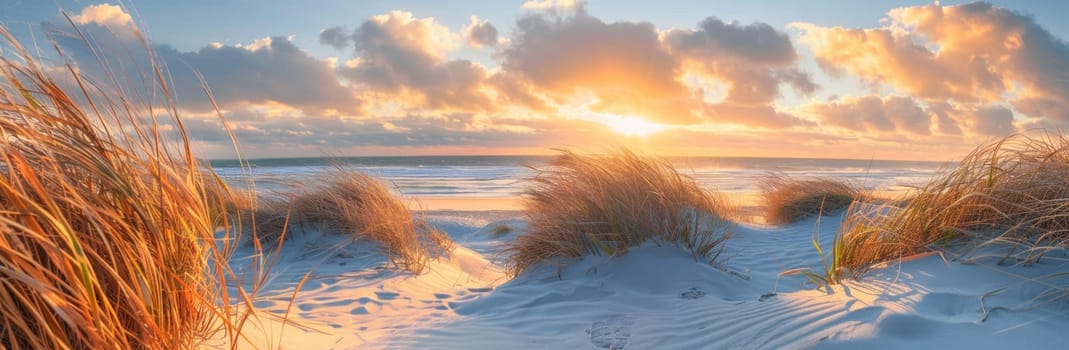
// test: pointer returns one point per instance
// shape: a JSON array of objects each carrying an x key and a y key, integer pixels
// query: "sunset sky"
[{"x": 830, "y": 79}]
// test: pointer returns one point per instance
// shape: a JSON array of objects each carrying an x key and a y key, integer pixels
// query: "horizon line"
[{"x": 553, "y": 155}]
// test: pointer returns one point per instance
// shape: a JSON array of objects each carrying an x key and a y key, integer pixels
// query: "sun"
[{"x": 632, "y": 126}]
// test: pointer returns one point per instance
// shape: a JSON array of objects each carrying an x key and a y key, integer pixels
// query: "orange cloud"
[
  {"x": 556, "y": 60},
  {"x": 514, "y": 90},
  {"x": 720, "y": 42},
  {"x": 973, "y": 54},
  {"x": 268, "y": 70},
  {"x": 480, "y": 33},
  {"x": 880, "y": 56},
  {"x": 752, "y": 60},
  {"x": 621, "y": 64},
  {"x": 981, "y": 121},
  {"x": 401, "y": 30},
  {"x": 757, "y": 116},
  {"x": 403, "y": 58},
  {"x": 399, "y": 84},
  {"x": 907, "y": 116},
  {"x": 551, "y": 4},
  {"x": 103, "y": 15},
  {"x": 872, "y": 114}
]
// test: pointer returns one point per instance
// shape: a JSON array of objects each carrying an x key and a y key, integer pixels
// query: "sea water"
[{"x": 507, "y": 176}]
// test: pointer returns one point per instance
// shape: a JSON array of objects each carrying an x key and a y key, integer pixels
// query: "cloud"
[
  {"x": 798, "y": 80},
  {"x": 622, "y": 65},
  {"x": 872, "y": 114},
  {"x": 991, "y": 121},
  {"x": 336, "y": 37},
  {"x": 749, "y": 85},
  {"x": 559, "y": 60},
  {"x": 904, "y": 115},
  {"x": 945, "y": 118},
  {"x": 551, "y": 4},
  {"x": 752, "y": 60},
  {"x": 880, "y": 56},
  {"x": 716, "y": 41},
  {"x": 401, "y": 86},
  {"x": 514, "y": 90},
  {"x": 759, "y": 116},
  {"x": 269, "y": 70},
  {"x": 402, "y": 34},
  {"x": 974, "y": 54},
  {"x": 282, "y": 132},
  {"x": 404, "y": 57},
  {"x": 981, "y": 121},
  {"x": 480, "y": 33},
  {"x": 106, "y": 15}
]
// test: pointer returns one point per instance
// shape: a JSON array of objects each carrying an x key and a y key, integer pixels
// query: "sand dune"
[{"x": 653, "y": 297}]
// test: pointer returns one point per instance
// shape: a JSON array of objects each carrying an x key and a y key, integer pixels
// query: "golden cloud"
[
  {"x": 974, "y": 54},
  {"x": 103, "y": 15}
]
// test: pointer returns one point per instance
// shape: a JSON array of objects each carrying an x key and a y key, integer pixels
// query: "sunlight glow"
[{"x": 632, "y": 126}]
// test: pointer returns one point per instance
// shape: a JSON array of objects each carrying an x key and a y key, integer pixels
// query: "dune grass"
[
  {"x": 789, "y": 199},
  {"x": 224, "y": 202},
  {"x": 106, "y": 225},
  {"x": 352, "y": 202},
  {"x": 586, "y": 204},
  {"x": 1012, "y": 193}
]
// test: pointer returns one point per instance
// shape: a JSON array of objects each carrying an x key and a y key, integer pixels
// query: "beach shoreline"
[{"x": 470, "y": 204}]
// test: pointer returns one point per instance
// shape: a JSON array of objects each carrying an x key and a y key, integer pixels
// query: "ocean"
[{"x": 505, "y": 176}]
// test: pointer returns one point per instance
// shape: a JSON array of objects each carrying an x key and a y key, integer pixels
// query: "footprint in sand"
[
  {"x": 612, "y": 333},
  {"x": 692, "y": 293},
  {"x": 950, "y": 307}
]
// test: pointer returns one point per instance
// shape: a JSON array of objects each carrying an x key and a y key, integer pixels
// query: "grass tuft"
[
  {"x": 351, "y": 202},
  {"x": 107, "y": 223},
  {"x": 788, "y": 199},
  {"x": 1012, "y": 193},
  {"x": 605, "y": 204}
]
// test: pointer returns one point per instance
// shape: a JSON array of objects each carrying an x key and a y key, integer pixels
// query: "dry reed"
[
  {"x": 106, "y": 229},
  {"x": 1013, "y": 193},
  {"x": 351, "y": 202},
  {"x": 605, "y": 204},
  {"x": 788, "y": 199}
]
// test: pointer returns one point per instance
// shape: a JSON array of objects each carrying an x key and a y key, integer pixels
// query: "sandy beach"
[
  {"x": 537, "y": 174},
  {"x": 656, "y": 296},
  {"x": 747, "y": 205}
]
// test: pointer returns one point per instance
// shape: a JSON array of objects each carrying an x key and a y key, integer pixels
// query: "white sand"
[{"x": 654, "y": 297}]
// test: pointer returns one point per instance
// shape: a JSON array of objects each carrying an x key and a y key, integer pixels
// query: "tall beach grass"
[
  {"x": 1012, "y": 194},
  {"x": 108, "y": 224},
  {"x": 354, "y": 203},
  {"x": 605, "y": 204},
  {"x": 789, "y": 199}
]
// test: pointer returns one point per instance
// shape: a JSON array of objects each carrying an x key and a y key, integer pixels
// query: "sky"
[{"x": 825, "y": 79}]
